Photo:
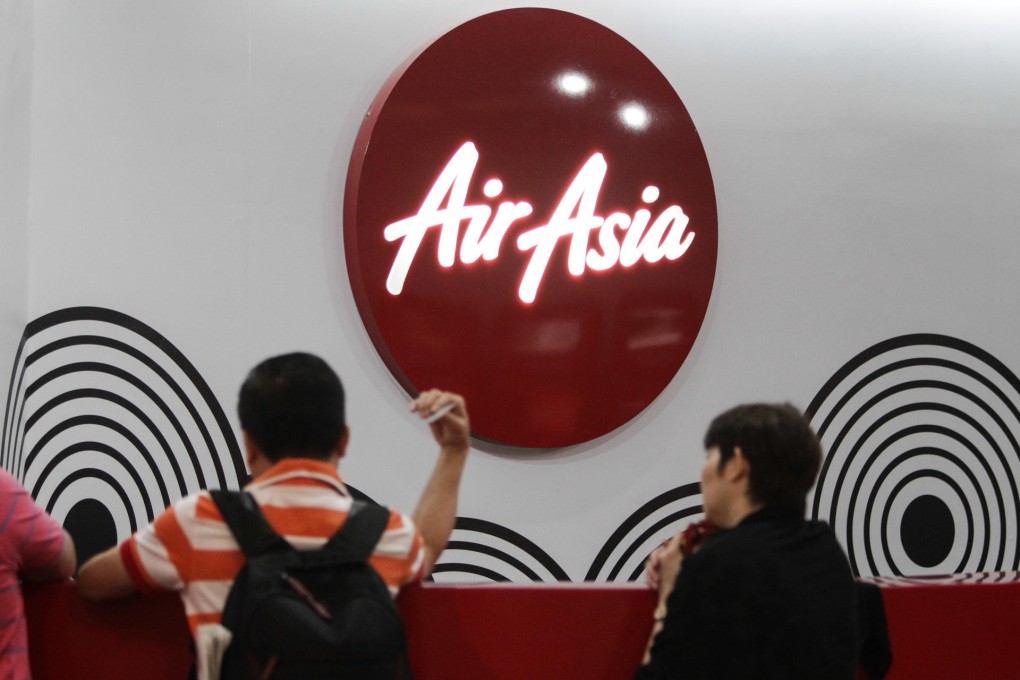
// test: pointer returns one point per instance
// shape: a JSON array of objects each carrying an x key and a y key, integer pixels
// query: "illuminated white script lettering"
[{"x": 574, "y": 217}]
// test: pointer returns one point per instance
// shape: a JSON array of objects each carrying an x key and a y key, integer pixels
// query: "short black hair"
[
  {"x": 292, "y": 405},
  {"x": 781, "y": 449}
]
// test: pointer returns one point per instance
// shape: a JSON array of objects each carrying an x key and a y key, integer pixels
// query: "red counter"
[{"x": 963, "y": 629}]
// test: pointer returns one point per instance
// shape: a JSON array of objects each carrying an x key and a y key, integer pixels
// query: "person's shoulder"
[
  {"x": 820, "y": 531},
  {"x": 718, "y": 549},
  {"x": 739, "y": 539},
  {"x": 11, "y": 490},
  {"x": 818, "y": 525},
  {"x": 825, "y": 539},
  {"x": 8, "y": 481},
  {"x": 747, "y": 543},
  {"x": 400, "y": 522},
  {"x": 399, "y": 529},
  {"x": 195, "y": 507},
  {"x": 192, "y": 500}
]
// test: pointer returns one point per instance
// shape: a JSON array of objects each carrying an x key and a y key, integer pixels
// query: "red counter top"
[{"x": 963, "y": 627}]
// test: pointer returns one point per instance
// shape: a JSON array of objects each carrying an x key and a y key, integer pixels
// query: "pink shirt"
[{"x": 29, "y": 539}]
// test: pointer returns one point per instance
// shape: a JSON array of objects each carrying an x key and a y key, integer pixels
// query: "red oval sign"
[{"x": 530, "y": 220}]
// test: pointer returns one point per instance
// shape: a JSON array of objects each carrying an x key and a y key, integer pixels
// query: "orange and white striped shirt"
[{"x": 190, "y": 548}]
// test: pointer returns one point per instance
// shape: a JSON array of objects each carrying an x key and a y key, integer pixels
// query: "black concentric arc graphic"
[
  {"x": 920, "y": 477},
  {"x": 107, "y": 423},
  {"x": 950, "y": 579},
  {"x": 623, "y": 556},
  {"x": 480, "y": 551}
]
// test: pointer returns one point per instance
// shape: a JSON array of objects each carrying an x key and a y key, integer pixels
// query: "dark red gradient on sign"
[{"x": 543, "y": 126}]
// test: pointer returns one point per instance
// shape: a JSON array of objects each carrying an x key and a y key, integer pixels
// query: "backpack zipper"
[{"x": 301, "y": 590}]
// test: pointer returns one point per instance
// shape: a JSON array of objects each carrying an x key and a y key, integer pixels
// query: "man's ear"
[
  {"x": 341, "y": 449},
  {"x": 255, "y": 456},
  {"x": 737, "y": 467},
  {"x": 252, "y": 451}
]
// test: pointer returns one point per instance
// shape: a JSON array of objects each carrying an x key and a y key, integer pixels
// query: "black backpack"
[{"x": 309, "y": 614}]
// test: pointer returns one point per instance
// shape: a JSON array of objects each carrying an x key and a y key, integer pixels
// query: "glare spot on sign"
[
  {"x": 573, "y": 84},
  {"x": 634, "y": 116}
]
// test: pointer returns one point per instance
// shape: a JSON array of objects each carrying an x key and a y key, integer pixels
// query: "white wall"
[
  {"x": 188, "y": 160},
  {"x": 15, "y": 106}
]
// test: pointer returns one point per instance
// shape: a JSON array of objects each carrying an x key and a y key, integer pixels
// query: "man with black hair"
[
  {"x": 769, "y": 594},
  {"x": 291, "y": 409}
]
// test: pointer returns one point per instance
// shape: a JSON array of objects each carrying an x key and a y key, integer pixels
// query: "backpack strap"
[
  {"x": 358, "y": 536},
  {"x": 247, "y": 523}
]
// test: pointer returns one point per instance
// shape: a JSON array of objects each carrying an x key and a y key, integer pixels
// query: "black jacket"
[{"x": 772, "y": 598}]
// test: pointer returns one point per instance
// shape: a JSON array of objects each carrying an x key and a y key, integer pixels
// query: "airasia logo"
[
  {"x": 574, "y": 219},
  {"x": 532, "y": 223}
]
